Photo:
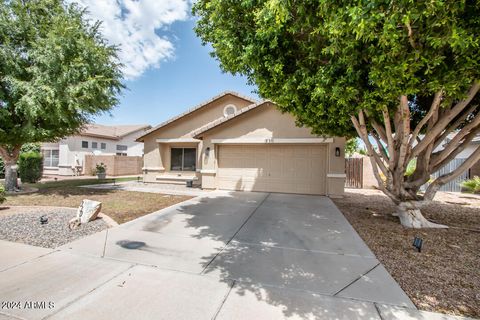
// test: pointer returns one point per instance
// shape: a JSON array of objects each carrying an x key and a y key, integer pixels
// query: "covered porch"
[{"x": 179, "y": 161}]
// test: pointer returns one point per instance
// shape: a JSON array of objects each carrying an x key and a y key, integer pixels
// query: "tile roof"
[
  {"x": 199, "y": 106},
  {"x": 111, "y": 132}
]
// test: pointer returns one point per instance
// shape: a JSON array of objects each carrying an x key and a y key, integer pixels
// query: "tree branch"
[
  {"x": 410, "y": 36},
  {"x": 440, "y": 181},
  {"x": 388, "y": 132},
  {"x": 446, "y": 119},
  {"x": 453, "y": 144},
  {"x": 437, "y": 165},
  {"x": 433, "y": 109},
  {"x": 404, "y": 133},
  {"x": 460, "y": 119},
  {"x": 362, "y": 132}
]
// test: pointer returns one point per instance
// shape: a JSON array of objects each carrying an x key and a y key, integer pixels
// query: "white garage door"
[{"x": 272, "y": 168}]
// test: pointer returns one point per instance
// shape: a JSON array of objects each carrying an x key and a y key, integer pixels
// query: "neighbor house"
[
  {"x": 67, "y": 156},
  {"x": 233, "y": 142}
]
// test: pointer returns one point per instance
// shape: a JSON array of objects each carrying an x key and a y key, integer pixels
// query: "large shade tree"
[
  {"x": 56, "y": 72},
  {"x": 402, "y": 75}
]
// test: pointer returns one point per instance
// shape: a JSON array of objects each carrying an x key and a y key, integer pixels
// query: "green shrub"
[
  {"x": 30, "y": 147},
  {"x": 2, "y": 193},
  {"x": 100, "y": 168},
  {"x": 30, "y": 166},
  {"x": 472, "y": 185}
]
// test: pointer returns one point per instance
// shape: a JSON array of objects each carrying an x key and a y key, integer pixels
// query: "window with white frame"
[
  {"x": 94, "y": 145},
  {"x": 103, "y": 146},
  {"x": 85, "y": 144},
  {"x": 50, "y": 158}
]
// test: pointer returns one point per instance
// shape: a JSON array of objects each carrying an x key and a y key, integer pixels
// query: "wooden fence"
[{"x": 354, "y": 172}]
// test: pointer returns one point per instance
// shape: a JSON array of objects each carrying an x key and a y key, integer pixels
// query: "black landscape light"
[
  {"x": 138, "y": 179},
  {"x": 43, "y": 219},
  {"x": 417, "y": 243}
]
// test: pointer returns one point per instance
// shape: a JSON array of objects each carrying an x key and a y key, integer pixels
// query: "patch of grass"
[
  {"x": 77, "y": 182},
  {"x": 445, "y": 276},
  {"x": 122, "y": 206}
]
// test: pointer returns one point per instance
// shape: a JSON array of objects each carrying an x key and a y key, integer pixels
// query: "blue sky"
[{"x": 187, "y": 78}]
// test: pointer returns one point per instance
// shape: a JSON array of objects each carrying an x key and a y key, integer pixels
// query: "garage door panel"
[{"x": 272, "y": 168}]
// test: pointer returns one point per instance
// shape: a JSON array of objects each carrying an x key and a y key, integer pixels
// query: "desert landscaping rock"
[
  {"x": 86, "y": 212},
  {"x": 23, "y": 225}
]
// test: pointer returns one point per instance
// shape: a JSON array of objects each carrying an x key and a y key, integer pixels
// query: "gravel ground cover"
[
  {"x": 121, "y": 206},
  {"x": 445, "y": 275},
  {"x": 23, "y": 225}
]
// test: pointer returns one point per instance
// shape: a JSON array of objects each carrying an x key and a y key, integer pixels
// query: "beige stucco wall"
[
  {"x": 266, "y": 122},
  {"x": 157, "y": 155}
]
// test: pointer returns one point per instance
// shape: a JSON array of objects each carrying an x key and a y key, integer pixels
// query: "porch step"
[{"x": 174, "y": 179}]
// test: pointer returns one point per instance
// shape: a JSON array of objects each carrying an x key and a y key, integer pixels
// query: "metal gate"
[{"x": 354, "y": 172}]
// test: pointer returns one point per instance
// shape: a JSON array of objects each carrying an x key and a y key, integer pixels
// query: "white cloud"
[{"x": 135, "y": 25}]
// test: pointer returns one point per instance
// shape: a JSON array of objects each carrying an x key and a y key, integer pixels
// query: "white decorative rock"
[{"x": 88, "y": 211}]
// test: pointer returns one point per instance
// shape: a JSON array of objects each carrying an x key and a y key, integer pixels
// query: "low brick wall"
[{"x": 116, "y": 165}]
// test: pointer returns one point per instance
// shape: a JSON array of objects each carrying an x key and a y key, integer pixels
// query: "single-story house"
[
  {"x": 233, "y": 142},
  {"x": 67, "y": 156}
]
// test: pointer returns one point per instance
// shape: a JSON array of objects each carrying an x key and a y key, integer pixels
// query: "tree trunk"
[
  {"x": 411, "y": 216},
  {"x": 11, "y": 176},
  {"x": 10, "y": 158}
]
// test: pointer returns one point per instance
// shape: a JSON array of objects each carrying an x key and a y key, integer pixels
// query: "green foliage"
[
  {"x": 29, "y": 147},
  {"x": 412, "y": 165},
  {"x": 324, "y": 60},
  {"x": 351, "y": 146},
  {"x": 2, "y": 194},
  {"x": 100, "y": 168},
  {"x": 472, "y": 185},
  {"x": 30, "y": 166},
  {"x": 56, "y": 71}
]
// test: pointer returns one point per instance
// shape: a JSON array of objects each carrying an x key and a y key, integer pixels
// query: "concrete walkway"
[{"x": 219, "y": 256}]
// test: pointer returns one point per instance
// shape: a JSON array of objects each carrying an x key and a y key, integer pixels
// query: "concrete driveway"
[{"x": 222, "y": 256}]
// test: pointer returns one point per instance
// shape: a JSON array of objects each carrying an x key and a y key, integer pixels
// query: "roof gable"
[
  {"x": 261, "y": 120},
  {"x": 221, "y": 121},
  {"x": 194, "y": 109}
]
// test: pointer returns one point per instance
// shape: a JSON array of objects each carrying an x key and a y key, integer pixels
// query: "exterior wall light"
[
  {"x": 207, "y": 151},
  {"x": 337, "y": 152}
]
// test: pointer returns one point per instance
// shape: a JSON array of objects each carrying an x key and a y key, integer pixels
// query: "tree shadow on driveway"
[{"x": 285, "y": 282}]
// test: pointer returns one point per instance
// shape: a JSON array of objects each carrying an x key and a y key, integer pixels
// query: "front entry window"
[{"x": 183, "y": 159}]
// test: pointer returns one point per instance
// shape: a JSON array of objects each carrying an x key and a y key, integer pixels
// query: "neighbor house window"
[
  {"x": 85, "y": 144},
  {"x": 103, "y": 146},
  {"x": 121, "y": 154},
  {"x": 121, "y": 147},
  {"x": 183, "y": 159},
  {"x": 94, "y": 145},
  {"x": 50, "y": 158}
]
